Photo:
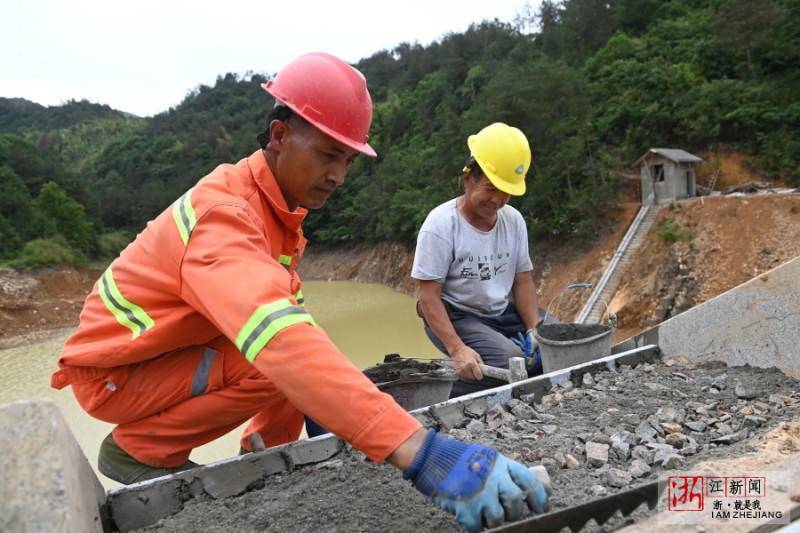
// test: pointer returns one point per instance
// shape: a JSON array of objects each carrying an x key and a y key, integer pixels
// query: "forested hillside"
[{"x": 593, "y": 84}]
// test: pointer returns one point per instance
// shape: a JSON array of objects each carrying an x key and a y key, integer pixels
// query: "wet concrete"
[
  {"x": 413, "y": 382},
  {"x": 398, "y": 368},
  {"x": 571, "y": 332}
]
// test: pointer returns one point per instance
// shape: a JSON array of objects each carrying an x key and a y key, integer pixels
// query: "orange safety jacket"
[{"x": 221, "y": 262}]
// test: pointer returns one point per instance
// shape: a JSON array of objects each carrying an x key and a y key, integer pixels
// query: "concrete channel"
[{"x": 49, "y": 484}]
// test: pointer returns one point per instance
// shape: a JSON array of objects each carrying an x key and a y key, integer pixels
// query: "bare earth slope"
[{"x": 36, "y": 305}]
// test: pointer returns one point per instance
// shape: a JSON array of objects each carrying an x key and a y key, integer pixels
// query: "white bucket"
[{"x": 565, "y": 345}]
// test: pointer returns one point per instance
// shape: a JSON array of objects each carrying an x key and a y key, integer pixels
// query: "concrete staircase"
[{"x": 595, "y": 308}]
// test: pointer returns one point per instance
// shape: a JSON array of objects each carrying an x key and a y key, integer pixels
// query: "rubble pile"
[
  {"x": 14, "y": 283},
  {"x": 597, "y": 434}
]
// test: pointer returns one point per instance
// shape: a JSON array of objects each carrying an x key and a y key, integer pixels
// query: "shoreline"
[{"x": 34, "y": 337}]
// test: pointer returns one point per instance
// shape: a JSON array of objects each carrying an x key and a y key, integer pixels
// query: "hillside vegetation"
[
  {"x": 734, "y": 240},
  {"x": 593, "y": 84}
]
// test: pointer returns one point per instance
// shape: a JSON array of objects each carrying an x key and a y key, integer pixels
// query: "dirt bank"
[{"x": 38, "y": 304}]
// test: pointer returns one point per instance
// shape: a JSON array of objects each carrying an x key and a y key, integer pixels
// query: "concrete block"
[
  {"x": 756, "y": 323},
  {"x": 142, "y": 504},
  {"x": 47, "y": 484},
  {"x": 312, "y": 450}
]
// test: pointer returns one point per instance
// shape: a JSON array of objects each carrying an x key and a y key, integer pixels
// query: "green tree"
[
  {"x": 55, "y": 213},
  {"x": 572, "y": 30},
  {"x": 15, "y": 212}
]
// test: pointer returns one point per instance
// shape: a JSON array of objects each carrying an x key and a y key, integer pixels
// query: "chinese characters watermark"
[{"x": 738, "y": 498}]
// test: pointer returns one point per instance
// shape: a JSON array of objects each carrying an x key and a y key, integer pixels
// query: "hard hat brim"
[
  {"x": 363, "y": 148},
  {"x": 504, "y": 156},
  {"x": 514, "y": 189}
]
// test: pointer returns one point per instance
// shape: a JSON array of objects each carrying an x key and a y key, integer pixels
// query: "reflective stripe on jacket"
[{"x": 221, "y": 262}]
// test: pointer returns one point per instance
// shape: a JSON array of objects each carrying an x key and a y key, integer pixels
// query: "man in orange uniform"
[{"x": 199, "y": 326}]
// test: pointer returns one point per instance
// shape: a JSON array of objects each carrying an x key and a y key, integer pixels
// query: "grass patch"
[
  {"x": 671, "y": 232},
  {"x": 48, "y": 252}
]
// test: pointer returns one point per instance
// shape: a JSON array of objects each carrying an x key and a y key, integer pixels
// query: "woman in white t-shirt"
[{"x": 476, "y": 290}]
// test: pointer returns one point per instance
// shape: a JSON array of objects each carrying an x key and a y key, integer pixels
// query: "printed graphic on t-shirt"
[
  {"x": 468, "y": 273},
  {"x": 486, "y": 270}
]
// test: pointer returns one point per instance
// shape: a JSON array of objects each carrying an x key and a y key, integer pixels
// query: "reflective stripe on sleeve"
[
  {"x": 265, "y": 323},
  {"x": 128, "y": 314},
  {"x": 183, "y": 214},
  {"x": 300, "y": 298}
]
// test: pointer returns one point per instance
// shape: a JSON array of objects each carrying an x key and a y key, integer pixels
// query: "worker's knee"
[{"x": 131, "y": 392}]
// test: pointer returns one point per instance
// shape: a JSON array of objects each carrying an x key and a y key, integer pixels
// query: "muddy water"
[{"x": 367, "y": 321}]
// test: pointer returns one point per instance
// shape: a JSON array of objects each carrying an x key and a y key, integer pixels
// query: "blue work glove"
[
  {"x": 530, "y": 349},
  {"x": 534, "y": 363},
  {"x": 526, "y": 342},
  {"x": 481, "y": 487}
]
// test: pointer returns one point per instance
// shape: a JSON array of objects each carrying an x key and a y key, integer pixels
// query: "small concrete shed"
[{"x": 667, "y": 174}]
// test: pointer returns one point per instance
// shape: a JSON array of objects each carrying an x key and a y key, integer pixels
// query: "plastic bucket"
[
  {"x": 413, "y": 383},
  {"x": 415, "y": 394},
  {"x": 565, "y": 345}
]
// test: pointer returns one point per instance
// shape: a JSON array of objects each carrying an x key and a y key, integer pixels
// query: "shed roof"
[{"x": 679, "y": 156}]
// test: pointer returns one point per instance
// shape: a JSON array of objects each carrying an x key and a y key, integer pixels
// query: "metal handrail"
[{"x": 612, "y": 265}]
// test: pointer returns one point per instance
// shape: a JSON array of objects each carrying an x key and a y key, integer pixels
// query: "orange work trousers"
[{"x": 166, "y": 407}]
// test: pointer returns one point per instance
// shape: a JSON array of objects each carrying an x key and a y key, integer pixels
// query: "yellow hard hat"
[{"x": 504, "y": 155}]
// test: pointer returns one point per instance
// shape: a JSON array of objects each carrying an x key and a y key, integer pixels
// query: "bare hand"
[{"x": 466, "y": 361}]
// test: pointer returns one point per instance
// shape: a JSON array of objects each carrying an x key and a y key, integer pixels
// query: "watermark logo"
[
  {"x": 725, "y": 499},
  {"x": 686, "y": 493}
]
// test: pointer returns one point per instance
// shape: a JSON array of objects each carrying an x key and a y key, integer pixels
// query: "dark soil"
[
  {"x": 397, "y": 368},
  {"x": 412, "y": 382},
  {"x": 648, "y": 420},
  {"x": 570, "y": 332}
]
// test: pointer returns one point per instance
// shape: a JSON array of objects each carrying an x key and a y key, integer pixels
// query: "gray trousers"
[{"x": 489, "y": 336}]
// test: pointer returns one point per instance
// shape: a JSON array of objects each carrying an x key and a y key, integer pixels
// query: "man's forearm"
[{"x": 439, "y": 322}]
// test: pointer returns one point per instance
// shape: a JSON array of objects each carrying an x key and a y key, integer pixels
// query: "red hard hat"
[{"x": 328, "y": 93}]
